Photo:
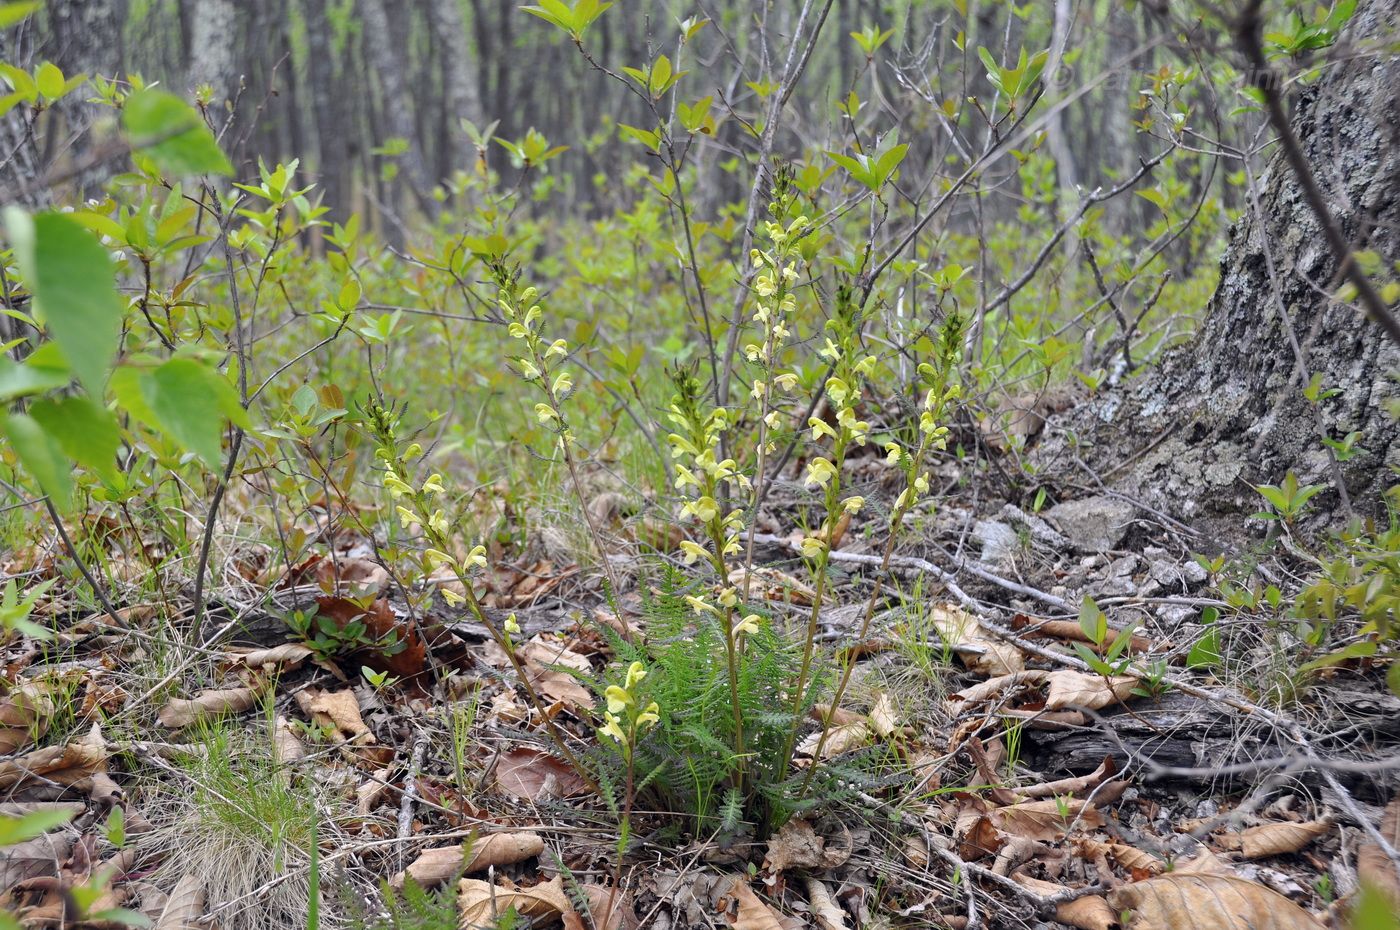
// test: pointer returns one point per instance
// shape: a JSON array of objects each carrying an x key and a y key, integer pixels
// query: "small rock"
[
  {"x": 1000, "y": 544},
  {"x": 1094, "y": 524},
  {"x": 1173, "y": 615},
  {"x": 1193, "y": 572},
  {"x": 1121, "y": 567},
  {"x": 1040, "y": 531}
]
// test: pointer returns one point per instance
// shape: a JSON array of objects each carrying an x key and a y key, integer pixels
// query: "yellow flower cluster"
[
  {"x": 523, "y": 316},
  {"x": 775, "y": 305},
  {"x": 698, "y": 442},
  {"x": 625, "y": 718},
  {"x": 417, "y": 507}
]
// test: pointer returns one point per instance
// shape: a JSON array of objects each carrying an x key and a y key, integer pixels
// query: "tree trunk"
[
  {"x": 1227, "y": 411},
  {"x": 387, "y": 58},
  {"x": 334, "y": 133},
  {"x": 213, "y": 29},
  {"x": 459, "y": 80}
]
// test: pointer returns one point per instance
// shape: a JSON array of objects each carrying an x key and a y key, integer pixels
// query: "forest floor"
[{"x": 1005, "y": 774}]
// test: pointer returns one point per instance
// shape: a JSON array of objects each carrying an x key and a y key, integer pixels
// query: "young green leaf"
[
  {"x": 74, "y": 286},
  {"x": 170, "y": 131}
]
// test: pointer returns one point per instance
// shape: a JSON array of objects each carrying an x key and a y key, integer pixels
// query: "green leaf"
[
  {"x": 41, "y": 456},
  {"x": 44, "y": 370},
  {"x": 190, "y": 401},
  {"x": 171, "y": 132},
  {"x": 50, "y": 81},
  {"x": 74, "y": 287},
  {"x": 1205, "y": 652},
  {"x": 11, "y": 13},
  {"x": 86, "y": 432},
  {"x": 18, "y": 829}
]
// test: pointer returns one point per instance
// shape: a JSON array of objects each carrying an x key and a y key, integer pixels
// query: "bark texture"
[
  {"x": 213, "y": 28},
  {"x": 1228, "y": 411}
]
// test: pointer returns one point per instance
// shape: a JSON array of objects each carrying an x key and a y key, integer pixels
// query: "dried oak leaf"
[
  {"x": 1087, "y": 913},
  {"x": 607, "y": 910},
  {"x": 841, "y": 738},
  {"x": 535, "y": 775},
  {"x": 795, "y": 846},
  {"x": 1075, "y": 689},
  {"x": 1373, "y": 866},
  {"x": 64, "y": 765},
  {"x": 481, "y": 903},
  {"x": 184, "y": 909},
  {"x": 961, "y": 632},
  {"x": 884, "y": 719},
  {"x": 751, "y": 913},
  {"x": 435, "y": 866},
  {"x": 25, "y": 715},
  {"x": 181, "y": 712},
  {"x": 40, "y": 856},
  {"x": 286, "y": 656},
  {"x": 1046, "y": 820},
  {"x": 1207, "y": 902},
  {"x": 337, "y": 709},
  {"x": 1277, "y": 839},
  {"x": 1129, "y": 857},
  {"x": 825, "y": 911}
]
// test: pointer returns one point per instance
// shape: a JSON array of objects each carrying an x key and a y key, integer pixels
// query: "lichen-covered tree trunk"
[{"x": 1228, "y": 410}]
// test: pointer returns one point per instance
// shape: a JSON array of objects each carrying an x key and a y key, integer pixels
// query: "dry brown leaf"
[
  {"x": 1129, "y": 857},
  {"x": 1204, "y": 863},
  {"x": 561, "y": 686},
  {"x": 1076, "y": 689},
  {"x": 1277, "y": 839},
  {"x": 606, "y": 911},
  {"x": 337, "y": 709},
  {"x": 286, "y": 656},
  {"x": 980, "y": 652},
  {"x": 995, "y": 687},
  {"x": 184, "y": 909},
  {"x": 181, "y": 712},
  {"x": 1081, "y": 784},
  {"x": 1373, "y": 866},
  {"x": 535, "y": 775},
  {"x": 435, "y": 866},
  {"x": 796, "y": 845},
  {"x": 1208, "y": 902},
  {"x": 480, "y": 903},
  {"x": 24, "y": 715},
  {"x": 40, "y": 856},
  {"x": 825, "y": 911},
  {"x": 841, "y": 738},
  {"x": 770, "y": 584},
  {"x": 752, "y": 913},
  {"x": 381, "y": 625},
  {"x": 1046, "y": 820},
  {"x": 286, "y": 745},
  {"x": 884, "y": 719},
  {"x": 64, "y": 765},
  {"x": 1090, "y": 912}
]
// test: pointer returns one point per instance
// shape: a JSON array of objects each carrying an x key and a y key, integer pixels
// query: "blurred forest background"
[{"x": 372, "y": 95}]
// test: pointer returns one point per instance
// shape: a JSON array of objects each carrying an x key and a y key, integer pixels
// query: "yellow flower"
[
  {"x": 692, "y": 551},
  {"x": 764, "y": 286},
  {"x": 563, "y": 384},
  {"x": 528, "y": 369},
  {"x": 475, "y": 559},
  {"x": 413, "y": 451},
  {"x": 747, "y": 625},
  {"x": 819, "y": 472},
  {"x": 512, "y": 625},
  {"x": 618, "y": 699},
  {"x": 699, "y": 606},
  {"x": 436, "y": 557},
  {"x": 451, "y": 597},
  {"x": 613, "y": 728},
  {"x": 812, "y": 547},
  {"x": 821, "y": 428},
  {"x": 406, "y": 516},
  {"x": 545, "y": 414},
  {"x": 558, "y": 347},
  {"x": 649, "y": 716},
  {"x": 635, "y": 673},
  {"x": 787, "y": 381},
  {"x": 396, "y": 485},
  {"x": 853, "y": 504},
  {"x": 729, "y": 597},
  {"x": 438, "y": 523},
  {"x": 893, "y": 453},
  {"x": 433, "y": 485},
  {"x": 705, "y": 509}
]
